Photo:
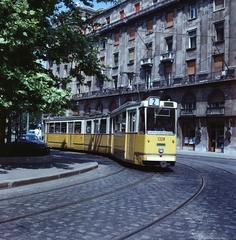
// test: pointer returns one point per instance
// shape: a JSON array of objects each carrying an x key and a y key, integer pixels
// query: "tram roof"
[
  {"x": 127, "y": 105},
  {"x": 74, "y": 118}
]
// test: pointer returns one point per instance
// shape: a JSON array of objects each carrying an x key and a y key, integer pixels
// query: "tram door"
[
  {"x": 130, "y": 134},
  {"x": 216, "y": 141}
]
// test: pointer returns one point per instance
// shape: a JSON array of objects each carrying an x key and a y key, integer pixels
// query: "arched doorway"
[
  {"x": 216, "y": 103},
  {"x": 188, "y": 114}
]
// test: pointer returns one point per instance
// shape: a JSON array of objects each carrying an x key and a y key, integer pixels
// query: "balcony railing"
[
  {"x": 215, "y": 111},
  {"x": 188, "y": 112},
  {"x": 169, "y": 56},
  {"x": 146, "y": 62}
]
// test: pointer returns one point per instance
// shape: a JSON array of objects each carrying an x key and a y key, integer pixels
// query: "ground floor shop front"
[{"x": 213, "y": 134}]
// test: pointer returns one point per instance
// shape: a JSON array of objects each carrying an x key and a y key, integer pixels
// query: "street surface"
[{"x": 196, "y": 199}]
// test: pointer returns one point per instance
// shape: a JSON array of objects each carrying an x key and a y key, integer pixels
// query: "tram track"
[
  {"x": 72, "y": 203},
  {"x": 66, "y": 186},
  {"x": 169, "y": 213},
  {"x": 210, "y": 165},
  {"x": 158, "y": 219}
]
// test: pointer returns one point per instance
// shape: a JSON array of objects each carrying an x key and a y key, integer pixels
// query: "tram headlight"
[{"x": 161, "y": 150}]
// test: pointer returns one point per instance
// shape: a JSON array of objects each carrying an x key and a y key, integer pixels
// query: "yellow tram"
[{"x": 141, "y": 133}]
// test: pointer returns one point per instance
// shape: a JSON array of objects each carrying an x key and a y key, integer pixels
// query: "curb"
[
  {"x": 206, "y": 154},
  {"x": 21, "y": 182}
]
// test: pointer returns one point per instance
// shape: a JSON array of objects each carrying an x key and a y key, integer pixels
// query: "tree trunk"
[{"x": 3, "y": 117}]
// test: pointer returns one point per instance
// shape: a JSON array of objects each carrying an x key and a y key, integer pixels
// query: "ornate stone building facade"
[{"x": 175, "y": 49}]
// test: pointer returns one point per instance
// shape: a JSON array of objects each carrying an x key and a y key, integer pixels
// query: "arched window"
[
  {"x": 217, "y": 99},
  {"x": 113, "y": 106},
  {"x": 189, "y": 103},
  {"x": 87, "y": 108},
  {"x": 99, "y": 108}
]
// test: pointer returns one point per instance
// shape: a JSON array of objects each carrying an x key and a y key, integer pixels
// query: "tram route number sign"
[{"x": 153, "y": 101}]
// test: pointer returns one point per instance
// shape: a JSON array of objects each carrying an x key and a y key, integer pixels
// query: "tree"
[{"x": 32, "y": 32}]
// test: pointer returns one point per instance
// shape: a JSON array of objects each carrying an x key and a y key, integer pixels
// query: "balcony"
[
  {"x": 188, "y": 112},
  {"x": 146, "y": 62},
  {"x": 211, "y": 111},
  {"x": 169, "y": 56}
]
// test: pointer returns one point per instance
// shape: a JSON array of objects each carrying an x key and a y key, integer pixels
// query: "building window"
[
  {"x": 112, "y": 106},
  {"x": 150, "y": 26},
  {"x": 192, "y": 39},
  {"x": 87, "y": 109},
  {"x": 219, "y": 4},
  {"x": 132, "y": 32},
  {"x": 95, "y": 27},
  {"x": 218, "y": 65},
  {"x": 168, "y": 75},
  {"x": 137, "y": 7},
  {"x": 170, "y": 19},
  {"x": 65, "y": 70},
  {"x": 191, "y": 70},
  {"x": 131, "y": 55},
  {"x": 219, "y": 28},
  {"x": 193, "y": 11},
  {"x": 102, "y": 61},
  {"x": 149, "y": 50},
  {"x": 115, "y": 82},
  {"x": 108, "y": 20},
  {"x": 217, "y": 99},
  {"x": 148, "y": 79},
  {"x": 122, "y": 14},
  {"x": 103, "y": 44},
  {"x": 189, "y": 104},
  {"x": 99, "y": 108},
  {"x": 169, "y": 44},
  {"x": 117, "y": 38},
  {"x": 116, "y": 59}
]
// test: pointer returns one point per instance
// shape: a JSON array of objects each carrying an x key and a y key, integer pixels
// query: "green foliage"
[{"x": 32, "y": 32}]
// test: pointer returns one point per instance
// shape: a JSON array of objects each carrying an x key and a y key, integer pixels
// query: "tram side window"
[
  {"x": 77, "y": 127},
  {"x": 142, "y": 121},
  {"x": 57, "y": 127},
  {"x": 63, "y": 127},
  {"x": 70, "y": 127},
  {"x": 51, "y": 127},
  {"x": 116, "y": 124},
  {"x": 120, "y": 122},
  {"x": 103, "y": 125},
  {"x": 123, "y": 122},
  {"x": 132, "y": 121},
  {"x": 47, "y": 128},
  {"x": 96, "y": 126},
  {"x": 88, "y": 127}
]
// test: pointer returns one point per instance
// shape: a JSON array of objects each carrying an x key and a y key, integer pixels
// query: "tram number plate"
[
  {"x": 161, "y": 139},
  {"x": 153, "y": 101}
]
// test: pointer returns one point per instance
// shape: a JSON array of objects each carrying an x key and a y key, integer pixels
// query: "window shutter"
[
  {"x": 191, "y": 67},
  {"x": 132, "y": 32},
  {"x": 218, "y": 65},
  {"x": 170, "y": 19},
  {"x": 137, "y": 7}
]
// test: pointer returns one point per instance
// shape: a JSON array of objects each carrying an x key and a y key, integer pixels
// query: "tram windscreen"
[{"x": 161, "y": 120}]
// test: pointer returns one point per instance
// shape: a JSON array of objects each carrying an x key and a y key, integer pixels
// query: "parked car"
[{"x": 28, "y": 145}]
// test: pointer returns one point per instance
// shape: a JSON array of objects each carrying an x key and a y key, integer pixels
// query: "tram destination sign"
[{"x": 153, "y": 101}]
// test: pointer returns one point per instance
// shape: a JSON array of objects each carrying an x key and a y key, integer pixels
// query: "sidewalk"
[
  {"x": 206, "y": 154},
  {"x": 23, "y": 172}
]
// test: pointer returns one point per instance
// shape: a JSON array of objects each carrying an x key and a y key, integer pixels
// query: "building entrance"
[
  {"x": 189, "y": 134},
  {"x": 216, "y": 135}
]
